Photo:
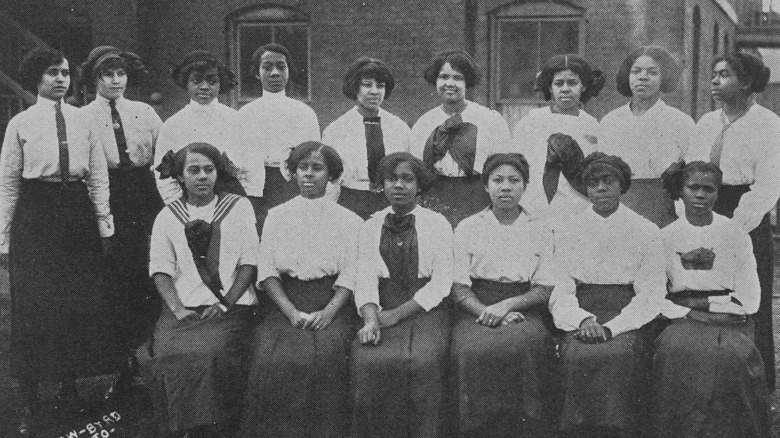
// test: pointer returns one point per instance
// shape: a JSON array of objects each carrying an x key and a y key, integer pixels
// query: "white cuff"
[{"x": 106, "y": 226}]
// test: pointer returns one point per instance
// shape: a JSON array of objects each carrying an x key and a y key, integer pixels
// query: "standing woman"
[
  {"x": 204, "y": 119},
  {"x": 568, "y": 82},
  {"x": 399, "y": 358},
  {"x": 610, "y": 283},
  {"x": 647, "y": 133},
  {"x": 365, "y": 134},
  {"x": 455, "y": 138},
  {"x": 741, "y": 139},
  {"x": 128, "y": 131},
  {"x": 503, "y": 281},
  {"x": 708, "y": 375},
  {"x": 54, "y": 210},
  {"x": 298, "y": 383}
]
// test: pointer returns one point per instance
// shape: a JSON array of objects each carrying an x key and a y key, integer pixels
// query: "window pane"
[
  {"x": 518, "y": 59},
  {"x": 558, "y": 38},
  {"x": 296, "y": 39},
  {"x": 250, "y": 37}
]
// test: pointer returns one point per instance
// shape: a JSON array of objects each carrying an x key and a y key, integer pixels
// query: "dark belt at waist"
[
  {"x": 201, "y": 309},
  {"x": 129, "y": 169},
  {"x": 52, "y": 182},
  {"x": 698, "y": 293},
  {"x": 509, "y": 289}
]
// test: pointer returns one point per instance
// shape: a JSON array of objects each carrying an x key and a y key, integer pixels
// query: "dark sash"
[{"x": 457, "y": 137}]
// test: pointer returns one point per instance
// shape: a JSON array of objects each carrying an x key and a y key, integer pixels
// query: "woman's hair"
[
  {"x": 200, "y": 61},
  {"x": 271, "y": 47},
  {"x": 102, "y": 59},
  {"x": 677, "y": 174},
  {"x": 749, "y": 69},
  {"x": 367, "y": 68},
  {"x": 205, "y": 149},
  {"x": 515, "y": 160},
  {"x": 592, "y": 78},
  {"x": 460, "y": 61},
  {"x": 34, "y": 65},
  {"x": 304, "y": 150},
  {"x": 670, "y": 69},
  {"x": 599, "y": 161},
  {"x": 388, "y": 164}
]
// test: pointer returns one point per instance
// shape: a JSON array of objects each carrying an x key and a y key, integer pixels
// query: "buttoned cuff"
[{"x": 106, "y": 226}]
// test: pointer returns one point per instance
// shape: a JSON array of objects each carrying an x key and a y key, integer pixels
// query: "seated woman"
[
  {"x": 399, "y": 358},
  {"x": 502, "y": 285},
  {"x": 610, "y": 283},
  {"x": 708, "y": 375},
  {"x": 308, "y": 255},
  {"x": 203, "y": 262}
]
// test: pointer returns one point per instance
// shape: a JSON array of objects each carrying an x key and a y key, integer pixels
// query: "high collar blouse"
[
  {"x": 140, "y": 124},
  {"x": 485, "y": 249},
  {"x": 734, "y": 267},
  {"x": 492, "y": 136},
  {"x": 215, "y": 124},
  {"x": 623, "y": 248},
  {"x": 530, "y": 139},
  {"x": 31, "y": 151},
  {"x": 170, "y": 254},
  {"x": 649, "y": 143},
  {"x": 347, "y": 135},
  {"x": 751, "y": 155},
  {"x": 434, "y": 237},
  {"x": 310, "y": 239}
]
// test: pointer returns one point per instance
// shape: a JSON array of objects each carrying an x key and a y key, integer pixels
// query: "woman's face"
[
  {"x": 401, "y": 187},
  {"x": 566, "y": 89},
  {"x": 604, "y": 192},
  {"x": 644, "y": 79},
  {"x": 699, "y": 193},
  {"x": 273, "y": 72},
  {"x": 55, "y": 81},
  {"x": 725, "y": 84},
  {"x": 312, "y": 176},
  {"x": 370, "y": 94},
  {"x": 451, "y": 84},
  {"x": 199, "y": 176},
  {"x": 505, "y": 186},
  {"x": 112, "y": 83},
  {"x": 203, "y": 87}
]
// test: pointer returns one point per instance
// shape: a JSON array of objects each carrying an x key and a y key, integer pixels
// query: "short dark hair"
[
  {"x": 200, "y": 61},
  {"x": 592, "y": 78},
  {"x": 388, "y": 164},
  {"x": 613, "y": 164},
  {"x": 670, "y": 69},
  {"x": 271, "y": 47},
  {"x": 34, "y": 65},
  {"x": 460, "y": 61},
  {"x": 332, "y": 158},
  {"x": 102, "y": 59},
  {"x": 677, "y": 174},
  {"x": 205, "y": 149},
  {"x": 750, "y": 69},
  {"x": 515, "y": 160},
  {"x": 367, "y": 68}
]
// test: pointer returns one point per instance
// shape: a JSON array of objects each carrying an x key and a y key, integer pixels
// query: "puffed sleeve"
[
  {"x": 430, "y": 295},
  {"x": 169, "y": 188},
  {"x": 367, "y": 278},
  {"x": 11, "y": 167},
  {"x": 162, "y": 256},
  {"x": 97, "y": 182}
]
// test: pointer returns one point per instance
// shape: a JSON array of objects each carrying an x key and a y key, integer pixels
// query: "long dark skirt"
[
  {"x": 605, "y": 383},
  {"x": 135, "y": 203},
  {"x": 276, "y": 191},
  {"x": 483, "y": 361},
  {"x": 709, "y": 381},
  {"x": 456, "y": 198},
  {"x": 193, "y": 370},
  {"x": 647, "y": 197},
  {"x": 364, "y": 203},
  {"x": 399, "y": 386},
  {"x": 299, "y": 379},
  {"x": 728, "y": 199},
  {"x": 61, "y": 309}
]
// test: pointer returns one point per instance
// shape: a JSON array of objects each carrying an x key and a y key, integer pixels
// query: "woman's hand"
[
  {"x": 493, "y": 314},
  {"x": 513, "y": 317},
  {"x": 212, "y": 311},
  {"x": 592, "y": 332},
  {"x": 186, "y": 315},
  {"x": 4, "y": 261},
  {"x": 388, "y": 318},
  {"x": 297, "y": 318},
  {"x": 319, "y": 320},
  {"x": 370, "y": 333}
]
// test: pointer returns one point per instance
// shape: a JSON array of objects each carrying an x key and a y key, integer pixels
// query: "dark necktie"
[
  {"x": 375, "y": 146},
  {"x": 62, "y": 138},
  {"x": 119, "y": 134}
]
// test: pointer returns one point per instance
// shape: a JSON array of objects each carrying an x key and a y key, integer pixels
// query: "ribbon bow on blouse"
[
  {"x": 199, "y": 239},
  {"x": 398, "y": 248},
  {"x": 457, "y": 137}
]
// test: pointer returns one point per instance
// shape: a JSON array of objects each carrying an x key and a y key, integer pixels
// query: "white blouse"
[
  {"x": 734, "y": 267},
  {"x": 31, "y": 151},
  {"x": 434, "y": 242},
  {"x": 170, "y": 254},
  {"x": 310, "y": 239},
  {"x": 347, "y": 135},
  {"x": 530, "y": 139},
  {"x": 492, "y": 136},
  {"x": 751, "y": 155},
  {"x": 484, "y": 248},
  {"x": 649, "y": 143},
  {"x": 140, "y": 124},
  {"x": 624, "y": 248},
  {"x": 215, "y": 124}
]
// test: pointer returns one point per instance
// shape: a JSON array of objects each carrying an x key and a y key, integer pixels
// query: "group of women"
[{"x": 557, "y": 306}]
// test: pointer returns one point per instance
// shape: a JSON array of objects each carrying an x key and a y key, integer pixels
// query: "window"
[{"x": 251, "y": 28}]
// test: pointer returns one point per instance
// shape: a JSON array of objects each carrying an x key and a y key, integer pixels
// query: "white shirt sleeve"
[
  {"x": 162, "y": 255},
  {"x": 430, "y": 295},
  {"x": 564, "y": 305},
  {"x": 765, "y": 189},
  {"x": 461, "y": 257},
  {"x": 367, "y": 281},
  {"x": 11, "y": 165},
  {"x": 746, "y": 286}
]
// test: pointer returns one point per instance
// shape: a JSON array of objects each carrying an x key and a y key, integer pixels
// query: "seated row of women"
[{"x": 455, "y": 337}]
